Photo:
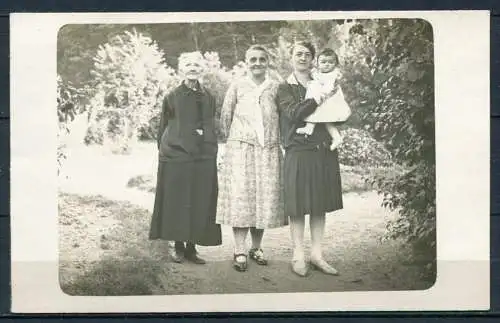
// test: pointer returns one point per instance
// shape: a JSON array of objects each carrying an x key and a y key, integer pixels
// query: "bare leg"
[
  {"x": 307, "y": 129},
  {"x": 257, "y": 235},
  {"x": 240, "y": 259},
  {"x": 240, "y": 236},
  {"x": 297, "y": 225},
  {"x": 317, "y": 224},
  {"x": 256, "y": 252},
  {"x": 335, "y": 134}
]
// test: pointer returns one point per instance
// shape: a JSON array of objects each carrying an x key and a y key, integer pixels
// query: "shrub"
[
  {"x": 389, "y": 75},
  {"x": 359, "y": 148},
  {"x": 129, "y": 78},
  {"x": 68, "y": 106}
]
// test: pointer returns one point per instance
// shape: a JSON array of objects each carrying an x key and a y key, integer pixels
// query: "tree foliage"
[
  {"x": 69, "y": 104},
  {"x": 388, "y": 81},
  {"x": 390, "y": 76}
]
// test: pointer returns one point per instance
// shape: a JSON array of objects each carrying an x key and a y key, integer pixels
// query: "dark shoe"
[
  {"x": 240, "y": 265},
  {"x": 257, "y": 255},
  {"x": 179, "y": 247},
  {"x": 193, "y": 257},
  {"x": 176, "y": 256},
  {"x": 177, "y": 252}
]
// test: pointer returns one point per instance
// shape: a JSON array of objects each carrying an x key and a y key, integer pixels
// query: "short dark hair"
[
  {"x": 307, "y": 45},
  {"x": 330, "y": 53}
]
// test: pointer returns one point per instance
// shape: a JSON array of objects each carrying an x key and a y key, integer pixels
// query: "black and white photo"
[{"x": 280, "y": 158}]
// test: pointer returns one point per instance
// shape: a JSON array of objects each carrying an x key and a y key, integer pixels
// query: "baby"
[{"x": 334, "y": 108}]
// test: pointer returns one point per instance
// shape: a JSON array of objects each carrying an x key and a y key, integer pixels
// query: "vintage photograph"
[
  {"x": 246, "y": 157},
  {"x": 250, "y": 162}
]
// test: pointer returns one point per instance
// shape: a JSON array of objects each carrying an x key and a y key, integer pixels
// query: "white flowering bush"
[
  {"x": 359, "y": 148},
  {"x": 216, "y": 78},
  {"x": 130, "y": 78}
]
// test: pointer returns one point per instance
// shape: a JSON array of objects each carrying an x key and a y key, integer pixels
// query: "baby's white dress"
[{"x": 333, "y": 109}]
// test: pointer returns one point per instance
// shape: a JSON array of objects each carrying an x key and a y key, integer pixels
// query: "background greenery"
[{"x": 118, "y": 74}]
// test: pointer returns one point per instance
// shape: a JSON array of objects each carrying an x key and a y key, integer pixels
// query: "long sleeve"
[
  {"x": 294, "y": 110},
  {"x": 166, "y": 114},
  {"x": 208, "y": 114},
  {"x": 227, "y": 111}
]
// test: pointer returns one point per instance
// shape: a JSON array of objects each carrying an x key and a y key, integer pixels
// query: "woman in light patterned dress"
[{"x": 250, "y": 182}]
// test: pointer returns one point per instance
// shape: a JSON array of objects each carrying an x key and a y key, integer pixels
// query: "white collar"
[
  {"x": 265, "y": 83},
  {"x": 292, "y": 79}
]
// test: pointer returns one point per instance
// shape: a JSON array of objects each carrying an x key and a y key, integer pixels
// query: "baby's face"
[{"x": 326, "y": 64}]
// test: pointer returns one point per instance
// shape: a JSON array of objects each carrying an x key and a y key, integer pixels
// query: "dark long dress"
[
  {"x": 187, "y": 186},
  {"x": 311, "y": 171}
]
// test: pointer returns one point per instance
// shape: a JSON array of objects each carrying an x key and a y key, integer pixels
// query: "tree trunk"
[
  {"x": 194, "y": 32},
  {"x": 235, "y": 48}
]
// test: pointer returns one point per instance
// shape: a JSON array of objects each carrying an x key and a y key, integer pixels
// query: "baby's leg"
[
  {"x": 307, "y": 129},
  {"x": 335, "y": 134}
]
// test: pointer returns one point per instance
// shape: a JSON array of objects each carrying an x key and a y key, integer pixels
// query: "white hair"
[{"x": 188, "y": 57}]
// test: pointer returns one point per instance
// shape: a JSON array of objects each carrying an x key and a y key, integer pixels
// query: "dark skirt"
[
  {"x": 186, "y": 203},
  {"x": 312, "y": 181}
]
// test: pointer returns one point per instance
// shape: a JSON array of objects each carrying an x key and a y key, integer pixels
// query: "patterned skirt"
[{"x": 250, "y": 187}]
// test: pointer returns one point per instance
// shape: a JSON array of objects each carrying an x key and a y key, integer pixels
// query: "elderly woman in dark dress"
[
  {"x": 187, "y": 187},
  {"x": 311, "y": 169}
]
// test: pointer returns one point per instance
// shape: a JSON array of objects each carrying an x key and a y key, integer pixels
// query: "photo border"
[{"x": 462, "y": 173}]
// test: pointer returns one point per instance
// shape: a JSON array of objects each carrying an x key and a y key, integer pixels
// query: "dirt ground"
[{"x": 104, "y": 224}]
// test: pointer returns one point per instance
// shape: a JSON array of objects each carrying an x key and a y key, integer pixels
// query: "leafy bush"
[
  {"x": 68, "y": 106},
  {"x": 389, "y": 79},
  {"x": 359, "y": 148},
  {"x": 129, "y": 78}
]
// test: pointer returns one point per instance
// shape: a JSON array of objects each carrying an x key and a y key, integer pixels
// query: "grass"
[
  {"x": 104, "y": 248},
  {"x": 105, "y": 251}
]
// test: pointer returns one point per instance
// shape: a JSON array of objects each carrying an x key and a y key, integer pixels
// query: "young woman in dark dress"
[
  {"x": 311, "y": 170},
  {"x": 187, "y": 186}
]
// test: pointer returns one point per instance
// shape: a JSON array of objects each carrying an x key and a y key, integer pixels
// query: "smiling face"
[
  {"x": 301, "y": 58},
  {"x": 257, "y": 62},
  {"x": 191, "y": 70}
]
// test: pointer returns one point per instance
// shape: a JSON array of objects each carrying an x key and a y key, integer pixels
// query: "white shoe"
[{"x": 323, "y": 266}]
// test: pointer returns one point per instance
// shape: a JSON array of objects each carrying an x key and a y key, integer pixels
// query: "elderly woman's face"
[
  {"x": 257, "y": 62},
  {"x": 191, "y": 70},
  {"x": 301, "y": 58}
]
